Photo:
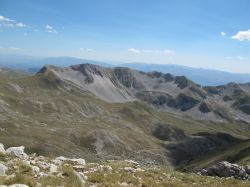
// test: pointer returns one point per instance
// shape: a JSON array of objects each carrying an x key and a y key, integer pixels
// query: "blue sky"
[{"x": 198, "y": 33}]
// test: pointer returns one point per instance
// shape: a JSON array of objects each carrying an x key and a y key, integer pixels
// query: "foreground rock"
[
  {"x": 2, "y": 150},
  {"x": 3, "y": 169},
  {"x": 226, "y": 169},
  {"x": 18, "y": 169},
  {"x": 17, "y": 151},
  {"x": 61, "y": 159},
  {"x": 15, "y": 185}
]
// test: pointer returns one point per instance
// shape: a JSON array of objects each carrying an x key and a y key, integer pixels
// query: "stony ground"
[{"x": 17, "y": 169}]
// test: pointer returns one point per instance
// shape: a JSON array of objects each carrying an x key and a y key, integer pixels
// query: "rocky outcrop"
[
  {"x": 61, "y": 159},
  {"x": 16, "y": 165},
  {"x": 226, "y": 169},
  {"x": 18, "y": 152},
  {"x": 38, "y": 171}
]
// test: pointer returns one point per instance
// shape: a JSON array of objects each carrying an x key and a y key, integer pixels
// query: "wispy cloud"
[
  {"x": 166, "y": 51},
  {"x": 11, "y": 48},
  {"x": 4, "y": 19},
  {"x": 50, "y": 29},
  {"x": 133, "y": 50},
  {"x": 21, "y": 25},
  {"x": 235, "y": 57},
  {"x": 7, "y": 22},
  {"x": 223, "y": 34},
  {"x": 242, "y": 35},
  {"x": 88, "y": 49}
]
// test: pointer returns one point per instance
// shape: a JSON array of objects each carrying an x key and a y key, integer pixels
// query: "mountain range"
[
  {"x": 204, "y": 77},
  {"x": 102, "y": 113}
]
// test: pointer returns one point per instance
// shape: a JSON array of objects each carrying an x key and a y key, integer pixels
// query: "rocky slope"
[
  {"x": 175, "y": 94},
  {"x": 59, "y": 111},
  {"x": 18, "y": 169}
]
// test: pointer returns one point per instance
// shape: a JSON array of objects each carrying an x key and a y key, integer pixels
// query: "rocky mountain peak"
[{"x": 47, "y": 68}]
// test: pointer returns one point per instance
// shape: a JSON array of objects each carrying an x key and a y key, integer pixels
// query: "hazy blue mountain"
[
  {"x": 201, "y": 76},
  {"x": 33, "y": 64}
]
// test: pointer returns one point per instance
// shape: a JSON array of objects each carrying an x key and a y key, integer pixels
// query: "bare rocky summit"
[{"x": 175, "y": 94}]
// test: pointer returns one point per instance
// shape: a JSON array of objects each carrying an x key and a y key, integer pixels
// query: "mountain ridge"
[
  {"x": 51, "y": 115},
  {"x": 205, "y": 77},
  {"x": 175, "y": 94}
]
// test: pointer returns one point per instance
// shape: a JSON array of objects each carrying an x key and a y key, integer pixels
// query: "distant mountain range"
[
  {"x": 201, "y": 76},
  {"x": 204, "y": 77}
]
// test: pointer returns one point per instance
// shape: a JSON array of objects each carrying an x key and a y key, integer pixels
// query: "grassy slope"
[
  {"x": 112, "y": 174},
  {"x": 52, "y": 121}
]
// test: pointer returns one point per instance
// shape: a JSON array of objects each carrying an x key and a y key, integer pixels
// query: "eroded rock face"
[
  {"x": 226, "y": 169},
  {"x": 18, "y": 152}
]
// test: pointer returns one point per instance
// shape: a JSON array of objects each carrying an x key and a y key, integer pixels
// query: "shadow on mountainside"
[{"x": 197, "y": 146}]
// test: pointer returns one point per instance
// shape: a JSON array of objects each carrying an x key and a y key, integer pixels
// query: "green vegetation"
[{"x": 53, "y": 118}]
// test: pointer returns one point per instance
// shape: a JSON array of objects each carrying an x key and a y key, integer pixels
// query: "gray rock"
[
  {"x": 10, "y": 177},
  {"x": 78, "y": 161},
  {"x": 35, "y": 169},
  {"x": 225, "y": 169},
  {"x": 18, "y": 185},
  {"x": 247, "y": 169},
  {"x": 130, "y": 169},
  {"x": 2, "y": 150},
  {"x": 53, "y": 168},
  {"x": 18, "y": 152},
  {"x": 3, "y": 169}
]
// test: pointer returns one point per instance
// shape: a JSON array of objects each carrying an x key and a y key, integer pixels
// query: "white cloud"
[
  {"x": 4, "y": 19},
  {"x": 88, "y": 50},
  {"x": 242, "y": 35},
  {"x": 223, "y": 34},
  {"x": 235, "y": 58},
  {"x": 167, "y": 51},
  {"x": 133, "y": 50},
  {"x": 7, "y": 22},
  {"x": 50, "y": 29},
  {"x": 21, "y": 25}
]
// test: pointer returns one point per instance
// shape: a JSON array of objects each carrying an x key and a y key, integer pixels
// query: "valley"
[{"x": 102, "y": 113}]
